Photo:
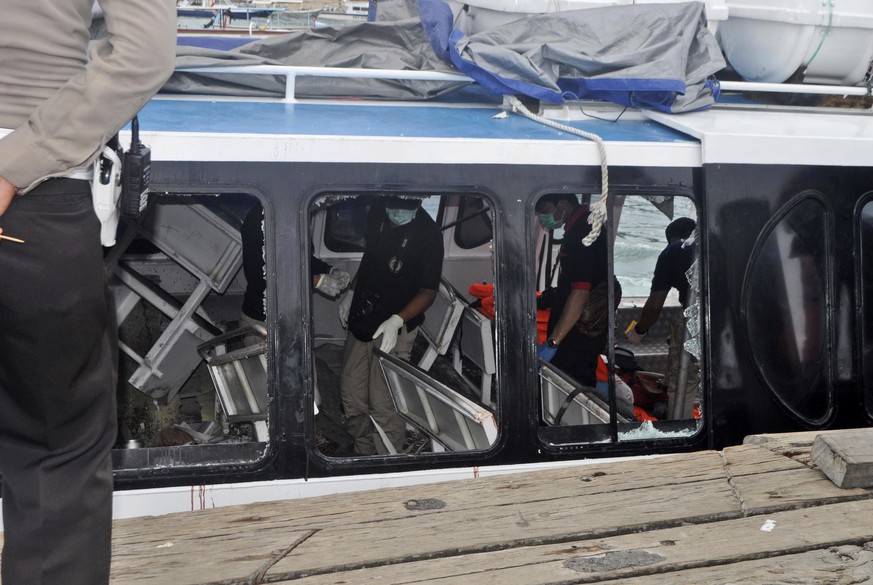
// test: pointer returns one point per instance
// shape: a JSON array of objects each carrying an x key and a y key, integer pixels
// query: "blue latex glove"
[{"x": 545, "y": 352}]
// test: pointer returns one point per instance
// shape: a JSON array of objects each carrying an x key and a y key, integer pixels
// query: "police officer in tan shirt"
[{"x": 59, "y": 104}]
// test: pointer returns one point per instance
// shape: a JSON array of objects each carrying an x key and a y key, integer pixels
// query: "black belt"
[{"x": 59, "y": 185}]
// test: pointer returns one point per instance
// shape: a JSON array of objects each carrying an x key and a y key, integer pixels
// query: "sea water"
[{"x": 641, "y": 239}]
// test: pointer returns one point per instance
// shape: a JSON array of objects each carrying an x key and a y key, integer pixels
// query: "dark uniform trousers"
[
  {"x": 578, "y": 354},
  {"x": 58, "y": 356}
]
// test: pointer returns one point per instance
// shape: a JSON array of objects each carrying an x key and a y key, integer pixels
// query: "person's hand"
[
  {"x": 545, "y": 352},
  {"x": 344, "y": 305},
  {"x": 341, "y": 276},
  {"x": 634, "y": 336},
  {"x": 7, "y": 192},
  {"x": 329, "y": 285},
  {"x": 389, "y": 330}
]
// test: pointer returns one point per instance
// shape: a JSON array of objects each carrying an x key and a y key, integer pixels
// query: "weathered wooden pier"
[{"x": 762, "y": 512}]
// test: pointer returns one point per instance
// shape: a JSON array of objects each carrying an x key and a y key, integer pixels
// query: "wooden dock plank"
[
  {"x": 667, "y": 553},
  {"x": 195, "y": 557},
  {"x": 845, "y": 565},
  {"x": 782, "y": 490},
  {"x": 755, "y": 459}
]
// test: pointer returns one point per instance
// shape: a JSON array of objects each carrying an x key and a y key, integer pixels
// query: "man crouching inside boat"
[
  {"x": 59, "y": 104},
  {"x": 671, "y": 271},
  {"x": 396, "y": 282}
]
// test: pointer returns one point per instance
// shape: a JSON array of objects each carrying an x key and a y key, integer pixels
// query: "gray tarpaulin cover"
[{"x": 645, "y": 55}]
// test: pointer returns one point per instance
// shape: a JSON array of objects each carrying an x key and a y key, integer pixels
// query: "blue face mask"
[
  {"x": 548, "y": 221},
  {"x": 401, "y": 216}
]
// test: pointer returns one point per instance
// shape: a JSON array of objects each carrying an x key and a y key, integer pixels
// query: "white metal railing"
[
  {"x": 794, "y": 88},
  {"x": 292, "y": 72}
]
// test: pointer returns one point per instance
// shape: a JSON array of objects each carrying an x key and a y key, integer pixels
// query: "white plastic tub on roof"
[{"x": 768, "y": 40}]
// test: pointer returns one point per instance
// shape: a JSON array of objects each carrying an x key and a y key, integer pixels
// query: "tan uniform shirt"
[{"x": 62, "y": 102}]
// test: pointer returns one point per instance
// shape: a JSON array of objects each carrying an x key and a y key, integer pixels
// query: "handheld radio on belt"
[
  {"x": 120, "y": 188},
  {"x": 135, "y": 175}
]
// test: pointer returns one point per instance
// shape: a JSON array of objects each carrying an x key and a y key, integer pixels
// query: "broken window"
[
  {"x": 192, "y": 365},
  {"x": 434, "y": 389},
  {"x": 654, "y": 391}
]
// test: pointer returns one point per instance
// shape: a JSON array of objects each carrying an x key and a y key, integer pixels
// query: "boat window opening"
[
  {"x": 474, "y": 227},
  {"x": 346, "y": 224},
  {"x": 188, "y": 374},
  {"x": 346, "y": 220},
  {"x": 785, "y": 307},
  {"x": 865, "y": 254},
  {"x": 434, "y": 390},
  {"x": 576, "y": 393}
]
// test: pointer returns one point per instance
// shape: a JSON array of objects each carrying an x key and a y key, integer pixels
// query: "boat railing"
[
  {"x": 755, "y": 86},
  {"x": 292, "y": 72}
]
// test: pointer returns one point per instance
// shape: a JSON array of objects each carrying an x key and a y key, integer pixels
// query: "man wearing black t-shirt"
[
  {"x": 577, "y": 329},
  {"x": 396, "y": 282},
  {"x": 670, "y": 272}
]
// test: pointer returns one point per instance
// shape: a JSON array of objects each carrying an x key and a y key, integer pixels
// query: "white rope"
[{"x": 598, "y": 211}]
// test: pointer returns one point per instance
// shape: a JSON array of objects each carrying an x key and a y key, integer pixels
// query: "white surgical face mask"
[
  {"x": 548, "y": 221},
  {"x": 401, "y": 216}
]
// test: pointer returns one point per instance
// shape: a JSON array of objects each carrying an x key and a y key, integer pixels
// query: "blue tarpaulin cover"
[{"x": 658, "y": 56}]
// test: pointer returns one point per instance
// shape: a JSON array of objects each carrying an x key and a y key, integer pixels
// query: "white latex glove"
[
  {"x": 634, "y": 337},
  {"x": 344, "y": 305},
  {"x": 389, "y": 330},
  {"x": 329, "y": 285},
  {"x": 343, "y": 277}
]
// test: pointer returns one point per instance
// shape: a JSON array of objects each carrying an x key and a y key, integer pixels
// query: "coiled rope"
[{"x": 597, "y": 216}]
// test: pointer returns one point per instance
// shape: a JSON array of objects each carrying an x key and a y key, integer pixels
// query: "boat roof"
[
  {"x": 270, "y": 130},
  {"x": 273, "y": 130},
  {"x": 798, "y": 136}
]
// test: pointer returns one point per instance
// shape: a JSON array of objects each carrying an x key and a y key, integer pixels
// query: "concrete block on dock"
[{"x": 846, "y": 457}]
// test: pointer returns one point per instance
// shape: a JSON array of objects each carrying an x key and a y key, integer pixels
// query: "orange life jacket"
[{"x": 485, "y": 292}]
